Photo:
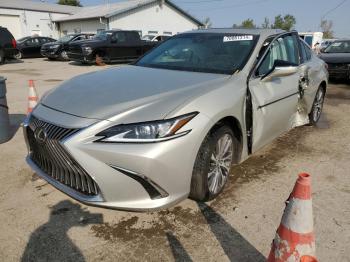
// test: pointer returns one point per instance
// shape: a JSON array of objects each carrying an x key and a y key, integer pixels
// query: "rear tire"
[
  {"x": 213, "y": 164},
  {"x": 2, "y": 57},
  {"x": 317, "y": 106},
  {"x": 19, "y": 55}
]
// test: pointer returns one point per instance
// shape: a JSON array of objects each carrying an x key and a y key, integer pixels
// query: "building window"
[
  {"x": 77, "y": 30},
  {"x": 153, "y": 32},
  {"x": 167, "y": 33},
  {"x": 64, "y": 32}
]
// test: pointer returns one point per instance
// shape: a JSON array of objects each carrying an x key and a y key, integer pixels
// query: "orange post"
[{"x": 32, "y": 97}]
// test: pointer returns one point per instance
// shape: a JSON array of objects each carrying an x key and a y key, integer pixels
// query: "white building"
[
  {"x": 23, "y": 17},
  {"x": 145, "y": 16}
]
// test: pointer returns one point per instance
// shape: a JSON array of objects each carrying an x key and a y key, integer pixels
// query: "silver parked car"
[{"x": 168, "y": 127}]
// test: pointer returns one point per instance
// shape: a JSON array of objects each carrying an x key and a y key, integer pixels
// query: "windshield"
[
  {"x": 148, "y": 37},
  {"x": 65, "y": 38},
  {"x": 102, "y": 35},
  {"x": 339, "y": 47},
  {"x": 202, "y": 52},
  {"x": 22, "y": 39}
]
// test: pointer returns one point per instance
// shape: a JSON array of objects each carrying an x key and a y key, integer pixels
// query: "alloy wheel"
[
  {"x": 18, "y": 55},
  {"x": 318, "y": 105},
  {"x": 220, "y": 163}
]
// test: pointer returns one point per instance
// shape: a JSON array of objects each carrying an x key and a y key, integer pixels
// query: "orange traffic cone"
[
  {"x": 32, "y": 97},
  {"x": 99, "y": 61},
  {"x": 295, "y": 240}
]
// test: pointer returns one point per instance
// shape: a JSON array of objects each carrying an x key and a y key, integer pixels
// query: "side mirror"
[{"x": 280, "y": 68}]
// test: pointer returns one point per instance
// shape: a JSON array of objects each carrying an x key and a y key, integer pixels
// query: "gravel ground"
[{"x": 39, "y": 223}]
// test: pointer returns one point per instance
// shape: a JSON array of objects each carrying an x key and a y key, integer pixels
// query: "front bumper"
[
  {"x": 339, "y": 71},
  {"x": 339, "y": 74},
  {"x": 80, "y": 57},
  {"x": 130, "y": 175},
  {"x": 52, "y": 53}
]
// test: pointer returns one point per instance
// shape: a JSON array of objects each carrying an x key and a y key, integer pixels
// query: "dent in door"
[{"x": 301, "y": 116}]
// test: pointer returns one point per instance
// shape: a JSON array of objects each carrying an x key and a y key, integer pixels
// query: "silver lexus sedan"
[{"x": 147, "y": 135}]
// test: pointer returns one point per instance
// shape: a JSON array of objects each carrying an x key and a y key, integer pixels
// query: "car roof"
[
  {"x": 341, "y": 40},
  {"x": 33, "y": 36},
  {"x": 117, "y": 30},
  {"x": 81, "y": 34},
  {"x": 262, "y": 32}
]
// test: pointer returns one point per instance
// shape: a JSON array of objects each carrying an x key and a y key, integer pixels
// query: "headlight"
[
  {"x": 146, "y": 132},
  {"x": 54, "y": 46},
  {"x": 87, "y": 50}
]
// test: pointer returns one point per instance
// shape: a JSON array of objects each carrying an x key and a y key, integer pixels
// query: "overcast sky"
[{"x": 225, "y": 13}]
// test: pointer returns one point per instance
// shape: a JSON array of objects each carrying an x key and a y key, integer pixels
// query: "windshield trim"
[
  {"x": 255, "y": 40},
  {"x": 189, "y": 69}
]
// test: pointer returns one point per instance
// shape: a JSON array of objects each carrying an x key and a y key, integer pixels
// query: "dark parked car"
[
  {"x": 110, "y": 46},
  {"x": 337, "y": 57},
  {"x": 59, "y": 48},
  {"x": 30, "y": 46},
  {"x": 7, "y": 45}
]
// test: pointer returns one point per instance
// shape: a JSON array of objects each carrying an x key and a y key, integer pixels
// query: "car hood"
[
  {"x": 152, "y": 92},
  {"x": 335, "y": 57}
]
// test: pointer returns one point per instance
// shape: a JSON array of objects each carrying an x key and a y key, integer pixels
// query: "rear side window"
[
  {"x": 44, "y": 40},
  {"x": 308, "y": 51},
  {"x": 133, "y": 36},
  {"x": 32, "y": 41},
  {"x": 119, "y": 36}
]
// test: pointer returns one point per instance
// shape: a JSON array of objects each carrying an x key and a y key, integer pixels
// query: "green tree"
[
  {"x": 248, "y": 23},
  {"x": 285, "y": 23},
  {"x": 326, "y": 26},
  {"x": 69, "y": 2}
]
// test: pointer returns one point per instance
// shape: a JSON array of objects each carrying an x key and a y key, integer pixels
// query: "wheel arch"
[
  {"x": 233, "y": 123},
  {"x": 323, "y": 84}
]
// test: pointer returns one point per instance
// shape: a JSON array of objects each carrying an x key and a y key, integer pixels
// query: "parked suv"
[
  {"x": 59, "y": 48},
  {"x": 110, "y": 46},
  {"x": 7, "y": 45}
]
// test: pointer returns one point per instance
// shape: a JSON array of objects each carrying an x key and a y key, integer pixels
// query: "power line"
[{"x": 334, "y": 8}]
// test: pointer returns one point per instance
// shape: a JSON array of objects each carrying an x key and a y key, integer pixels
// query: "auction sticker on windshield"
[{"x": 238, "y": 38}]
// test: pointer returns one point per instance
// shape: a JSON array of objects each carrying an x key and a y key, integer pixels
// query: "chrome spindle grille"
[{"x": 54, "y": 160}]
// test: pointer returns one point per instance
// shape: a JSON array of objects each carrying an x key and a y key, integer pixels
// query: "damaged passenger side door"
[{"x": 274, "y": 90}]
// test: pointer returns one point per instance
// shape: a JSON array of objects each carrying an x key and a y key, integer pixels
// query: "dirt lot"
[{"x": 39, "y": 223}]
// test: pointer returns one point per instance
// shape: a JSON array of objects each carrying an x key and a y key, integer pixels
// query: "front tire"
[
  {"x": 317, "y": 106},
  {"x": 64, "y": 56},
  {"x": 213, "y": 164}
]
